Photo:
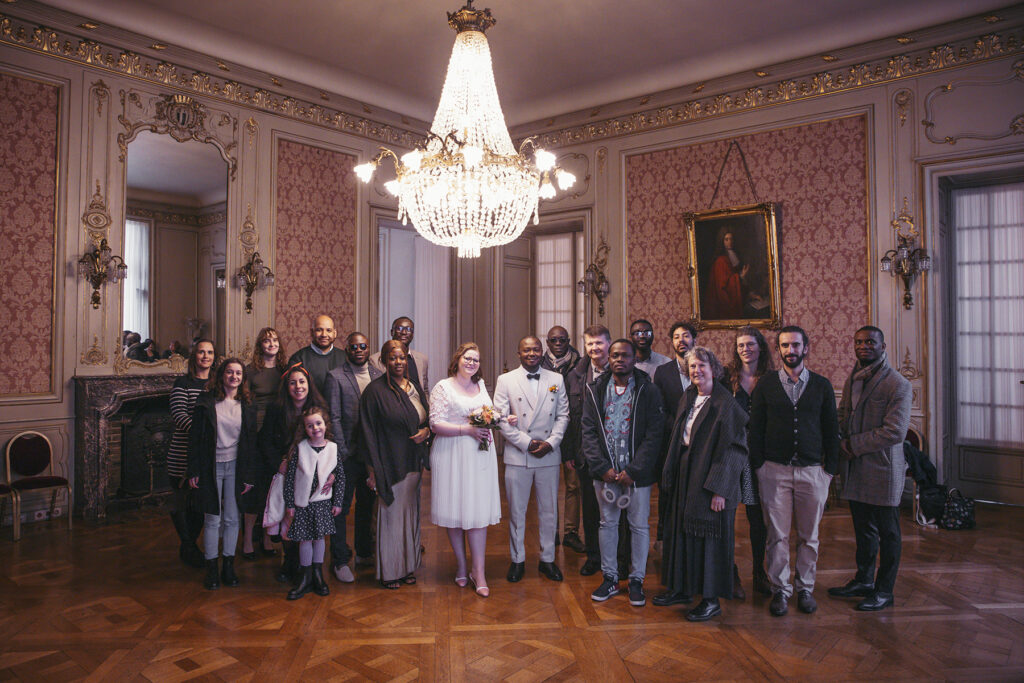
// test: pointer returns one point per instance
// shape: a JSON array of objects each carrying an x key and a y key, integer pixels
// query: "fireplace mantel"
[{"x": 96, "y": 400}]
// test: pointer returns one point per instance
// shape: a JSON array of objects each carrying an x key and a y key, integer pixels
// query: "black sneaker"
[
  {"x": 607, "y": 589},
  {"x": 637, "y": 597}
]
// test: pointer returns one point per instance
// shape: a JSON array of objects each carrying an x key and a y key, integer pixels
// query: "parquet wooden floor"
[{"x": 111, "y": 602}]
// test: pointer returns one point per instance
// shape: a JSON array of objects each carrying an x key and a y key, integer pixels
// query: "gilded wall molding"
[
  {"x": 102, "y": 95},
  {"x": 251, "y": 129},
  {"x": 902, "y": 99},
  {"x": 61, "y": 44},
  {"x": 96, "y": 218},
  {"x": 196, "y": 220},
  {"x": 94, "y": 355},
  {"x": 907, "y": 367},
  {"x": 177, "y": 364},
  {"x": 1015, "y": 126},
  {"x": 886, "y": 70},
  {"x": 248, "y": 237}
]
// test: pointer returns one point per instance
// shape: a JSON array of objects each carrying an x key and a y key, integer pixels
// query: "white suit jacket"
[{"x": 543, "y": 415}]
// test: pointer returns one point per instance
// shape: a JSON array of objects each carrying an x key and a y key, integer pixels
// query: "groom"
[{"x": 532, "y": 457}]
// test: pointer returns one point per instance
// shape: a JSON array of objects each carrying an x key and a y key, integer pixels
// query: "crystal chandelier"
[{"x": 466, "y": 186}]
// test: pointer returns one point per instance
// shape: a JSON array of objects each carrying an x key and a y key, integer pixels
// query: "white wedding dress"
[{"x": 463, "y": 479}]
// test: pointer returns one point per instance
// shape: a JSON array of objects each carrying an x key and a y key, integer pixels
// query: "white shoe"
[{"x": 344, "y": 574}]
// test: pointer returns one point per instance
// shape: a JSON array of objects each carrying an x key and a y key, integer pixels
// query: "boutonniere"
[{"x": 553, "y": 388}]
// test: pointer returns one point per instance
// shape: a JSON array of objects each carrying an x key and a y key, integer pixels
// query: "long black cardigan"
[
  {"x": 202, "y": 452},
  {"x": 387, "y": 418}
]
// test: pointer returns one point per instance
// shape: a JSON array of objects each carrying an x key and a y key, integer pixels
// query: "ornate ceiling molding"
[
  {"x": 41, "y": 39},
  {"x": 843, "y": 79}
]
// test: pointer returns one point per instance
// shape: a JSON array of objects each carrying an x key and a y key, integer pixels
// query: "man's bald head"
[{"x": 323, "y": 332}]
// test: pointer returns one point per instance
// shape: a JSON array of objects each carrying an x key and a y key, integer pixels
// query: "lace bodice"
[{"x": 448, "y": 404}]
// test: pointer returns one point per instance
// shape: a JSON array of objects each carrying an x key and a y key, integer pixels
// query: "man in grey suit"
[
  {"x": 532, "y": 454},
  {"x": 344, "y": 385},
  {"x": 403, "y": 329},
  {"x": 874, "y": 414}
]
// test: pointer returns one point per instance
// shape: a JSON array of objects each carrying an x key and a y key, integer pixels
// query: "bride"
[{"x": 464, "y": 494}]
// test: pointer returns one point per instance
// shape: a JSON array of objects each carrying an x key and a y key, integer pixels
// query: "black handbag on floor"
[
  {"x": 958, "y": 513},
  {"x": 932, "y": 502}
]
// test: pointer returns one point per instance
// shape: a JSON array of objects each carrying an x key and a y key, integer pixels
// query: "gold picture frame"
[{"x": 734, "y": 267}]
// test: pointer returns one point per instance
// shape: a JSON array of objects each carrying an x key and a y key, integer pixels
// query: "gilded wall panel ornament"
[
  {"x": 902, "y": 101},
  {"x": 177, "y": 364},
  {"x": 41, "y": 39},
  {"x": 101, "y": 93},
  {"x": 907, "y": 367},
  {"x": 248, "y": 237},
  {"x": 1014, "y": 127},
  {"x": 251, "y": 129},
  {"x": 94, "y": 355},
  {"x": 96, "y": 218}
]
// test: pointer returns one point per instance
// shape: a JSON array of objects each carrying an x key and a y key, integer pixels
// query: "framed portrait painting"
[{"x": 734, "y": 267}]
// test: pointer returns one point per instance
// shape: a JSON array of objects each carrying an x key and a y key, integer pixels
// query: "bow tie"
[{"x": 533, "y": 375}]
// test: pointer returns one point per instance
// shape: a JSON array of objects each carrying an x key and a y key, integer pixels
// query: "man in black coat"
[
  {"x": 344, "y": 385},
  {"x": 622, "y": 426}
]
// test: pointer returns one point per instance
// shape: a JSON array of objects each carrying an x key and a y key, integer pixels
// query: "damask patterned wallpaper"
[
  {"x": 28, "y": 190},
  {"x": 316, "y": 241},
  {"x": 816, "y": 173}
]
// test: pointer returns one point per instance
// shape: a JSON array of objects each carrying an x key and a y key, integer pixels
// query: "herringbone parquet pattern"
[{"x": 112, "y": 602}]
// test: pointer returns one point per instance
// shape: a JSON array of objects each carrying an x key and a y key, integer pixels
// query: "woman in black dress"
[
  {"x": 296, "y": 393},
  {"x": 706, "y": 453},
  {"x": 751, "y": 359}
]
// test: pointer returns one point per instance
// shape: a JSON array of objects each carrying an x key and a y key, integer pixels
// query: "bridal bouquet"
[{"x": 485, "y": 417}]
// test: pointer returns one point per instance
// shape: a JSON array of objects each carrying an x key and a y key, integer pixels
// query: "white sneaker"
[{"x": 344, "y": 574}]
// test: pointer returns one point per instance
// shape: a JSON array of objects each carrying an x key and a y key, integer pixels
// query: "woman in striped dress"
[{"x": 188, "y": 520}]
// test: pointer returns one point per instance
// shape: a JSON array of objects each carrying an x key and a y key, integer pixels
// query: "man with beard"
[
  {"x": 794, "y": 446},
  {"x": 672, "y": 380},
  {"x": 403, "y": 330},
  {"x": 641, "y": 332},
  {"x": 561, "y": 357},
  {"x": 321, "y": 356},
  {"x": 874, "y": 414},
  {"x": 345, "y": 384}
]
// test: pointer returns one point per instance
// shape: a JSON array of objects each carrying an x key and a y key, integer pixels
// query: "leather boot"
[
  {"x": 212, "y": 580},
  {"x": 737, "y": 589},
  {"x": 188, "y": 552},
  {"x": 305, "y": 584},
  {"x": 319, "y": 585},
  {"x": 227, "y": 572},
  {"x": 290, "y": 566}
]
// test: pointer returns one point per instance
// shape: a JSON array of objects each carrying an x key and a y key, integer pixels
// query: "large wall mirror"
[{"x": 175, "y": 243}]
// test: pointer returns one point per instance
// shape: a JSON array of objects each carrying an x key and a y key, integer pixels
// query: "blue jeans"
[
  {"x": 227, "y": 520},
  {"x": 638, "y": 516}
]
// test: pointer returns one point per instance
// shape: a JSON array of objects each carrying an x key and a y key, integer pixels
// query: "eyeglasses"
[
  {"x": 471, "y": 361},
  {"x": 557, "y": 340},
  {"x": 357, "y": 347},
  {"x": 642, "y": 333},
  {"x": 403, "y": 328}
]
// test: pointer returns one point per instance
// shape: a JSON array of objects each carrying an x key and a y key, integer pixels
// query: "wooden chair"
[{"x": 29, "y": 459}]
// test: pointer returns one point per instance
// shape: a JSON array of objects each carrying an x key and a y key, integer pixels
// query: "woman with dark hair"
[
  {"x": 464, "y": 494},
  {"x": 726, "y": 283},
  {"x": 751, "y": 360},
  {"x": 393, "y": 424},
  {"x": 264, "y": 377},
  {"x": 188, "y": 519},
  {"x": 296, "y": 393},
  {"x": 222, "y": 450},
  {"x": 706, "y": 453}
]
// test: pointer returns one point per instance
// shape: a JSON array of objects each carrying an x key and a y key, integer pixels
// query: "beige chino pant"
[{"x": 792, "y": 497}]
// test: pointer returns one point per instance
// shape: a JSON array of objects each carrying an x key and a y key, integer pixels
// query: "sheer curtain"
[
  {"x": 555, "y": 277},
  {"x": 136, "y": 285},
  {"x": 989, "y": 229}
]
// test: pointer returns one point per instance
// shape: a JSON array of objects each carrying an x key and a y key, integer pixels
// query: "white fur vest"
[{"x": 323, "y": 463}]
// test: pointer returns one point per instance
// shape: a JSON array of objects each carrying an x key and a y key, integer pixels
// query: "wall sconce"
[
  {"x": 594, "y": 280},
  {"x": 252, "y": 276},
  {"x": 220, "y": 278},
  {"x": 907, "y": 260},
  {"x": 98, "y": 266}
]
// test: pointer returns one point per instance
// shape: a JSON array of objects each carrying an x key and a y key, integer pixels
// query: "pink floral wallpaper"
[
  {"x": 316, "y": 238},
  {"x": 816, "y": 173},
  {"x": 28, "y": 191}
]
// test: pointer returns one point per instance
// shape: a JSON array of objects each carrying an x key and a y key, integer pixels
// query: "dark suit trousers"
[
  {"x": 355, "y": 486},
  {"x": 758, "y": 537},
  {"x": 877, "y": 529}
]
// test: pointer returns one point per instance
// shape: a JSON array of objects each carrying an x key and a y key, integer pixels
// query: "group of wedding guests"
[{"x": 347, "y": 425}]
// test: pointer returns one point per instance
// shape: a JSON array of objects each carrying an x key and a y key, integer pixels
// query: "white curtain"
[
  {"x": 136, "y": 285},
  {"x": 555, "y": 280},
  {"x": 989, "y": 225}
]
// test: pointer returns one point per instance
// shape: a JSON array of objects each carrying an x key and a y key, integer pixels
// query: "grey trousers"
[
  {"x": 518, "y": 483},
  {"x": 792, "y": 496}
]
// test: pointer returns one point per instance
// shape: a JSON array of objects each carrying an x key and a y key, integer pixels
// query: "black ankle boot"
[
  {"x": 290, "y": 566},
  {"x": 737, "y": 588},
  {"x": 305, "y": 584},
  {"x": 212, "y": 580},
  {"x": 227, "y": 572},
  {"x": 187, "y": 550},
  {"x": 319, "y": 585}
]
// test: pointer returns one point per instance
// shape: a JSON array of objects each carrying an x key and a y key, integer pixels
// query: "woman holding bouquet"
[
  {"x": 393, "y": 424},
  {"x": 464, "y": 494}
]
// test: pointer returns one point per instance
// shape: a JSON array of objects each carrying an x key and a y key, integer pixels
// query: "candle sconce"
[
  {"x": 100, "y": 265},
  {"x": 252, "y": 276},
  {"x": 594, "y": 281},
  {"x": 907, "y": 260}
]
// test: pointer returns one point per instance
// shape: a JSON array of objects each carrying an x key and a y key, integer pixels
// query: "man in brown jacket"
[{"x": 874, "y": 414}]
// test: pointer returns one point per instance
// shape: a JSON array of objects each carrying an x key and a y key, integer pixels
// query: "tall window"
[
  {"x": 136, "y": 285},
  {"x": 559, "y": 264},
  {"x": 989, "y": 233}
]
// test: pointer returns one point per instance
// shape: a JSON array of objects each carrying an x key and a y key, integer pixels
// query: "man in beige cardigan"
[{"x": 874, "y": 414}]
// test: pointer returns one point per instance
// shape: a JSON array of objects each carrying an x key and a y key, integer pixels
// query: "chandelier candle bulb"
[{"x": 466, "y": 186}]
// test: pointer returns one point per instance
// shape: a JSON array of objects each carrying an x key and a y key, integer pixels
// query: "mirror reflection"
[{"x": 175, "y": 240}]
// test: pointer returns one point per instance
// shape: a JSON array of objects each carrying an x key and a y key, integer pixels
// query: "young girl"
[{"x": 310, "y": 507}]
